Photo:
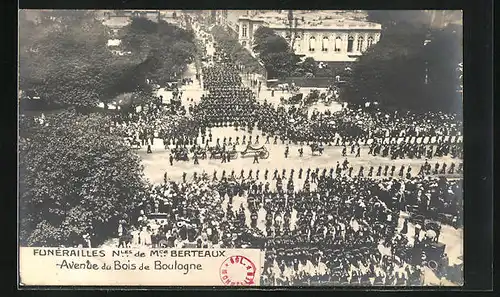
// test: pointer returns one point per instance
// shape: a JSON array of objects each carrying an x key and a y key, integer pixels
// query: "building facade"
[{"x": 327, "y": 41}]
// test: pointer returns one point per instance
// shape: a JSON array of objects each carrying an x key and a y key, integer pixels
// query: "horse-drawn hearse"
[{"x": 251, "y": 151}]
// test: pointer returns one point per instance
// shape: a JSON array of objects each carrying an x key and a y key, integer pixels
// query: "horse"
[{"x": 317, "y": 148}]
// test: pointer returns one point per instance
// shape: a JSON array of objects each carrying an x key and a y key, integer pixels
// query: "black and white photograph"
[{"x": 329, "y": 140}]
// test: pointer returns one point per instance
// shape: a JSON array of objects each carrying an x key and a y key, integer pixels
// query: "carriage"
[
  {"x": 315, "y": 147},
  {"x": 287, "y": 87},
  {"x": 251, "y": 151},
  {"x": 216, "y": 153},
  {"x": 180, "y": 154},
  {"x": 312, "y": 97},
  {"x": 295, "y": 99},
  {"x": 201, "y": 153}
]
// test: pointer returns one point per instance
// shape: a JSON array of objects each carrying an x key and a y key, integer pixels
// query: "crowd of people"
[{"x": 332, "y": 229}]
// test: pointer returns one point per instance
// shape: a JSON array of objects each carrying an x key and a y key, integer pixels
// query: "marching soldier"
[
  {"x": 257, "y": 174},
  {"x": 386, "y": 169},
  {"x": 344, "y": 151},
  {"x": 232, "y": 173},
  {"x": 345, "y": 164},
  {"x": 393, "y": 168},
  {"x": 184, "y": 174},
  {"x": 275, "y": 140},
  {"x": 358, "y": 152},
  {"x": 408, "y": 172},
  {"x": 370, "y": 171},
  {"x": 300, "y": 173},
  {"x": 171, "y": 159},
  {"x": 196, "y": 159},
  {"x": 242, "y": 173},
  {"x": 401, "y": 171},
  {"x": 452, "y": 169},
  {"x": 350, "y": 171},
  {"x": 443, "y": 168},
  {"x": 360, "y": 174},
  {"x": 267, "y": 139},
  {"x": 266, "y": 174},
  {"x": 283, "y": 174},
  {"x": 250, "y": 174},
  {"x": 301, "y": 152},
  {"x": 237, "y": 140},
  {"x": 275, "y": 176},
  {"x": 436, "y": 168},
  {"x": 215, "y": 175},
  {"x": 257, "y": 139}
]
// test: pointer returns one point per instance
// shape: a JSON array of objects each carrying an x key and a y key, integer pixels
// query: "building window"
[
  {"x": 338, "y": 44},
  {"x": 312, "y": 43},
  {"x": 324, "y": 44},
  {"x": 369, "y": 42},
  {"x": 350, "y": 44},
  {"x": 244, "y": 31},
  {"x": 360, "y": 44}
]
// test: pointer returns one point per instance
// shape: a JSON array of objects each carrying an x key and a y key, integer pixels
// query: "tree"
[
  {"x": 236, "y": 51},
  {"x": 272, "y": 44},
  {"x": 75, "y": 175},
  {"x": 309, "y": 65},
  {"x": 394, "y": 71},
  {"x": 279, "y": 65},
  {"x": 66, "y": 61},
  {"x": 390, "y": 72},
  {"x": 390, "y": 18},
  {"x": 168, "y": 48}
]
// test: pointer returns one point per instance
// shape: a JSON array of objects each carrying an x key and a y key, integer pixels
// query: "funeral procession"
[{"x": 330, "y": 140}]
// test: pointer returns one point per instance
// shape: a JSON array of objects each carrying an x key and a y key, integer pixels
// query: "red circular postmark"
[{"x": 237, "y": 271}]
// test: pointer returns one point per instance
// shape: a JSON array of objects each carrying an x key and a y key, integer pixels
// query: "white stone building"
[{"x": 326, "y": 37}]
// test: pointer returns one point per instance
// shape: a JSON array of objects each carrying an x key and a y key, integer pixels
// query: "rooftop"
[{"x": 320, "y": 19}]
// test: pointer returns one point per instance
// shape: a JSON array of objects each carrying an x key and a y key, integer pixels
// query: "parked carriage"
[{"x": 295, "y": 99}]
